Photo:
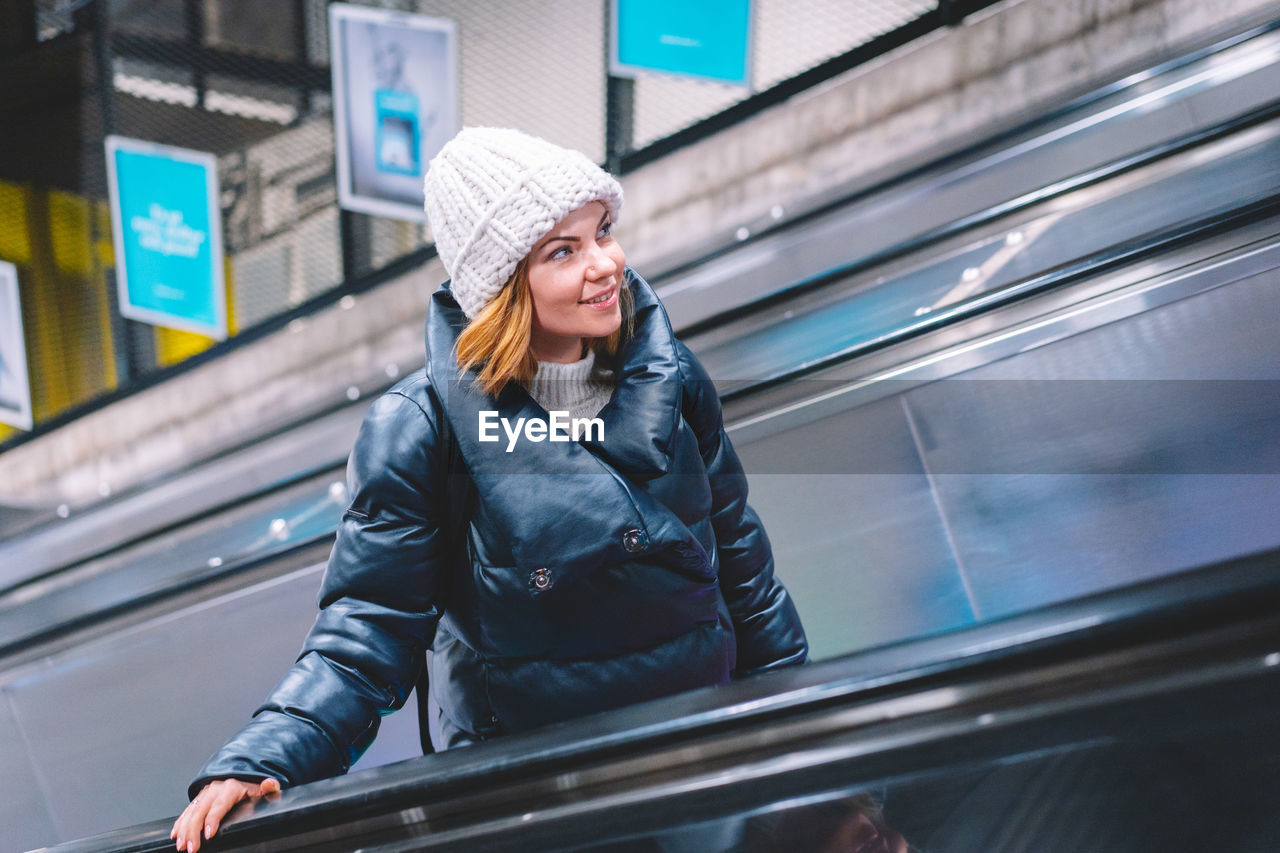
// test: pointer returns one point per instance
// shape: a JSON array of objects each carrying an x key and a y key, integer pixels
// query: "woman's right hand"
[{"x": 203, "y": 815}]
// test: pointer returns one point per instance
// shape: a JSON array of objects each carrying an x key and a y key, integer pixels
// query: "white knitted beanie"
[{"x": 492, "y": 193}]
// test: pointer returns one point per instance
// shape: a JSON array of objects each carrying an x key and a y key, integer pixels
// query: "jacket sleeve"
[
  {"x": 765, "y": 621},
  {"x": 378, "y": 611}
]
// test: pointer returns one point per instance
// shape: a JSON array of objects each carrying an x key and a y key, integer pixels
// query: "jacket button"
[
  {"x": 635, "y": 540},
  {"x": 540, "y": 579}
]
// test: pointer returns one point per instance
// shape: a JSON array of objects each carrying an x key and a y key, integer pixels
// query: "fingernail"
[{"x": 208, "y": 832}]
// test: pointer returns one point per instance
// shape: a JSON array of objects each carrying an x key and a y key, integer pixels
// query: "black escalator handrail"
[{"x": 1167, "y": 610}]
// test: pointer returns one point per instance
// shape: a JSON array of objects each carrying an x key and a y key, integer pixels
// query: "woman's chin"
[{"x": 606, "y": 325}]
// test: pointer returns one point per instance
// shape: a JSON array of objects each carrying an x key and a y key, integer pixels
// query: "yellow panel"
[
  {"x": 228, "y": 273},
  {"x": 15, "y": 247},
  {"x": 47, "y": 320},
  {"x": 105, "y": 250},
  {"x": 104, "y": 256},
  {"x": 69, "y": 232},
  {"x": 174, "y": 345},
  {"x": 69, "y": 329}
]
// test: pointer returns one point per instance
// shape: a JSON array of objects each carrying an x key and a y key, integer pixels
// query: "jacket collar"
[{"x": 640, "y": 419}]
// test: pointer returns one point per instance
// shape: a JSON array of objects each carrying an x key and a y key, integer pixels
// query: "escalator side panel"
[
  {"x": 1098, "y": 454},
  {"x": 23, "y": 811},
  {"x": 1119, "y": 454},
  {"x": 856, "y": 531},
  {"x": 149, "y": 704}
]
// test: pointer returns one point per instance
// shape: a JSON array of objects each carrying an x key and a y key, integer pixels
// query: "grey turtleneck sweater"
[{"x": 577, "y": 388}]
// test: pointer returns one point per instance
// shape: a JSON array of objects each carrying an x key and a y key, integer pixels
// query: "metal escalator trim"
[
  {"x": 125, "y": 536},
  {"x": 985, "y": 217},
  {"x": 1096, "y": 264},
  {"x": 125, "y": 543},
  {"x": 132, "y": 600},
  {"x": 1108, "y": 298}
]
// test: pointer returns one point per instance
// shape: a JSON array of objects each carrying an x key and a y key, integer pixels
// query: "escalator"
[{"x": 976, "y": 400}]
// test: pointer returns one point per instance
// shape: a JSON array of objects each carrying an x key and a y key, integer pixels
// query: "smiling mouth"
[{"x": 602, "y": 298}]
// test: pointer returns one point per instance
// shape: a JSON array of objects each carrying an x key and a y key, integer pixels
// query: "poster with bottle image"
[
  {"x": 395, "y": 104},
  {"x": 15, "y": 386}
]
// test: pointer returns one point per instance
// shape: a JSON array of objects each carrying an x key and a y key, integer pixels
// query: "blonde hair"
[{"x": 497, "y": 339}]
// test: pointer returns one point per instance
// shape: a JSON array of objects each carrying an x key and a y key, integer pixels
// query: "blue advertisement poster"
[
  {"x": 395, "y": 104},
  {"x": 167, "y": 228},
  {"x": 710, "y": 38},
  {"x": 15, "y": 386}
]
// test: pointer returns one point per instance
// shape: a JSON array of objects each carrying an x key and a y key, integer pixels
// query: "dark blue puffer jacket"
[{"x": 589, "y": 575}]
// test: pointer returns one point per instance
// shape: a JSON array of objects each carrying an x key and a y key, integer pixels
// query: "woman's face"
[{"x": 575, "y": 273}]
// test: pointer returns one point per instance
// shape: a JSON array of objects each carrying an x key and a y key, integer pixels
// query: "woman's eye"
[
  {"x": 605, "y": 229},
  {"x": 562, "y": 252}
]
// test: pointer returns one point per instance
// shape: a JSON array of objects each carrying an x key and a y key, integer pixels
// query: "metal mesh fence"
[{"x": 248, "y": 81}]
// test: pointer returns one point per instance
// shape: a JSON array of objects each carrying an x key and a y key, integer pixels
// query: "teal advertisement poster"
[
  {"x": 709, "y": 39},
  {"x": 167, "y": 229},
  {"x": 15, "y": 386}
]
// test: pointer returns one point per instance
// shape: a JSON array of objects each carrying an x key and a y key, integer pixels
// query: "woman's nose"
[{"x": 600, "y": 263}]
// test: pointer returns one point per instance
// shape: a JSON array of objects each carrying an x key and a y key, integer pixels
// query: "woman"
[{"x": 552, "y": 575}]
